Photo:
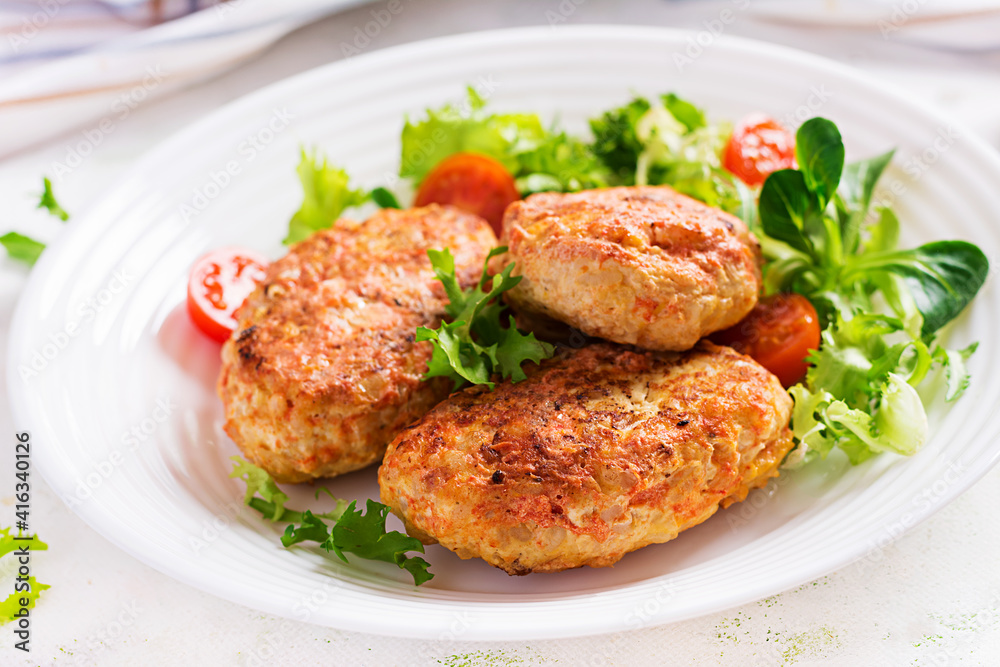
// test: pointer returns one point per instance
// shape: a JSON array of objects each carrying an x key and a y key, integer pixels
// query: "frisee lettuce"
[
  {"x": 666, "y": 141},
  {"x": 349, "y": 531},
  {"x": 22, "y": 248},
  {"x": 819, "y": 227},
  {"x": 326, "y": 193},
  {"x": 475, "y": 345},
  {"x": 538, "y": 158}
]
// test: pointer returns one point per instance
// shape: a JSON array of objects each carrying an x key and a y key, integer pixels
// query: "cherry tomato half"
[
  {"x": 219, "y": 283},
  {"x": 473, "y": 183},
  {"x": 778, "y": 333},
  {"x": 758, "y": 147}
]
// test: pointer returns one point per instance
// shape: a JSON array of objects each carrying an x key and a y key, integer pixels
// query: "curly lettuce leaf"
[
  {"x": 616, "y": 142},
  {"x": 539, "y": 158},
  {"x": 821, "y": 422},
  {"x": 259, "y": 483},
  {"x": 326, "y": 193},
  {"x": 465, "y": 128}
]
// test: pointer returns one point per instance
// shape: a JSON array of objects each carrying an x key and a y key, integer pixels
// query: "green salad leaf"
[
  {"x": 11, "y": 605},
  {"x": 616, "y": 142},
  {"x": 881, "y": 308},
  {"x": 348, "y": 531},
  {"x": 364, "y": 535},
  {"x": 326, "y": 193},
  {"x": 820, "y": 154},
  {"x": 942, "y": 277},
  {"x": 475, "y": 345},
  {"x": 691, "y": 116},
  {"x": 49, "y": 203},
  {"x": 384, "y": 198},
  {"x": 465, "y": 128},
  {"x": 22, "y": 248},
  {"x": 8, "y": 543},
  {"x": 539, "y": 158},
  {"x": 668, "y": 141},
  {"x": 558, "y": 162}
]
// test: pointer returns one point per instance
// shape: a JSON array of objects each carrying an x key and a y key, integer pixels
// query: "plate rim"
[{"x": 42, "y": 273}]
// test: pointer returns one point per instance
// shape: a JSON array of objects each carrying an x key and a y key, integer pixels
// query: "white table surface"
[{"x": 930, "y": 598}]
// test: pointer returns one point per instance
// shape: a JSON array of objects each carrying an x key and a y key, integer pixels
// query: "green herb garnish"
[
  {"x": 11, "y": 605},
  {"x": 384, "y": 198},
  {"x": 22, "y": 248},
  {"x": 326, "y": 193},
  {"x": 538, "y": 158},
  {"x": 475, "y": 345},
  {"x": 348, "y": 531},
  {"x": 49, "y": 203}
]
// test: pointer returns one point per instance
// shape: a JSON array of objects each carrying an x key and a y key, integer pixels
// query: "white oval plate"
[{"x": 118, "y": 388}]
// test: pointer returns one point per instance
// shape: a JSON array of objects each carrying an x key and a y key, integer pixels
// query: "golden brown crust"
[
  {"x": 599, "y": 452},
  {"x": 640, "y": 265},
  {"x": 323, "y": 369}
]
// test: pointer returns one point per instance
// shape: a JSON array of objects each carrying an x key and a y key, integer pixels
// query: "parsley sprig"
[
  {"x": 350, "y": 531},
  {"x": 475, "y": 345}
]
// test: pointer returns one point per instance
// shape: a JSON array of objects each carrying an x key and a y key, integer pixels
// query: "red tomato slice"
[
  {"x": 778, "y": 333},
  {"x": 219, "y": 283},
  {"x": 758, "y": 147},
  {"x": 473, "y": 183}
]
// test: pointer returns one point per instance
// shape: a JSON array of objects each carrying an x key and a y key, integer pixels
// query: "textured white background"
[{"x": 931, "y": 598}]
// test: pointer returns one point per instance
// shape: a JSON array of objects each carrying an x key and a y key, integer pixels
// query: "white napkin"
[{"x": 69, "y": 63}]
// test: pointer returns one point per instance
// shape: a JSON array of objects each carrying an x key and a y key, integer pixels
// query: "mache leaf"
[
  {"x": 326, "y": 193},
  {"x": 514, "y": 348},
  {"x": 785, "y": 204},
  {"x": 11, "y": 605},
  {"x": 942, "y": 277},
  {"x": 819, "y": 151},
  {"x": 691, "y": 116},
  {"x": 856, "y": 188}
]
